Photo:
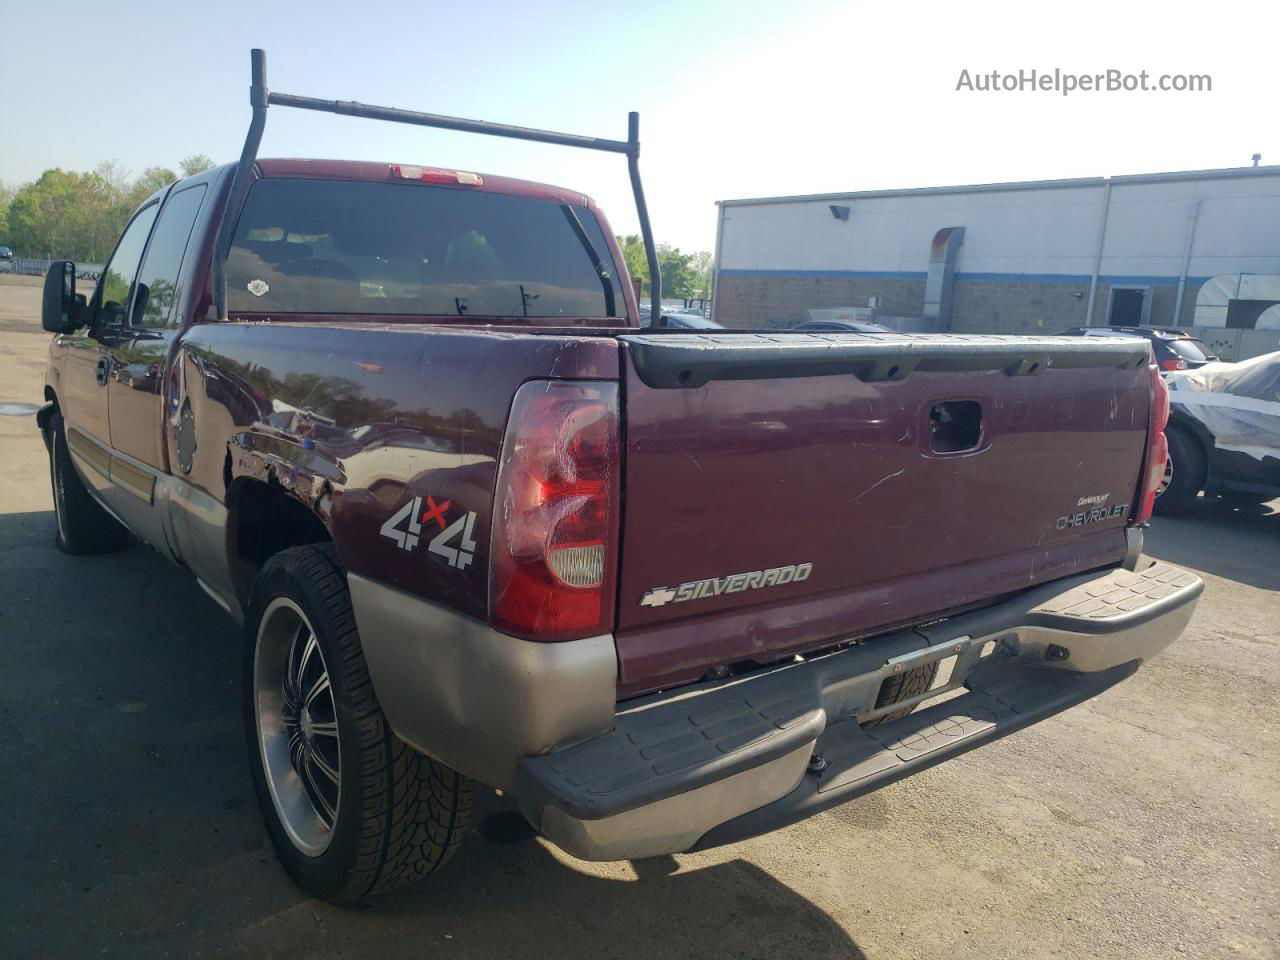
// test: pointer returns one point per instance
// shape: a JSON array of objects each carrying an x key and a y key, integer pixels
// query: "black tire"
[
  {"x": 1247, "y": 498},
  {"x": 1186, "y": 457},
  {"x": 83, "y": 526},
  {"x": 910, "y": 683},
  {"x": 400, "y": 814}
]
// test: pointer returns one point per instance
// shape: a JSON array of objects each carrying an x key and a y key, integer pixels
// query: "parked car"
[
  {"x": 1223, "y": 433},
  {"x": 687, "y": 320},
  {"x": 1173, "y": 349},
  {"x": 666, "y": 593},
  {"x": 835, "y": 326},
  {"x": 6, "y": 253}
]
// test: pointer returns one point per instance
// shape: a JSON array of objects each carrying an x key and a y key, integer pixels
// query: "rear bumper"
[{"x": 722, "y": 762}]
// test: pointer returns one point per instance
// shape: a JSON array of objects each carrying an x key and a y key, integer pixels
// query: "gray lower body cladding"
[{"x": 475, "y": 699}]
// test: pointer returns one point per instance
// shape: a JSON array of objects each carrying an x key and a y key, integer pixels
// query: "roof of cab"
[{"x": 285, "y": 167}]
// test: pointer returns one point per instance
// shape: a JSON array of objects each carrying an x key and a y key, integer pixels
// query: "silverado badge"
[{"x": 733, "y": 583}]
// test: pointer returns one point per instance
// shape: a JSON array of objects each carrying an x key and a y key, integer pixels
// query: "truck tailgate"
[{"x": 787, "y": 491}]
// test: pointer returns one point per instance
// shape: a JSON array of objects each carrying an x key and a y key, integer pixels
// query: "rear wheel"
[
  {"x": 1183, "y": 473},
  {"x": 83, "y": 525},
  {"x": 351, "y": 809}
]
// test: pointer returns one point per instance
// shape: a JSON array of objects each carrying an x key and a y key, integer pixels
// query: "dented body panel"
[{"x": 368, "y": 418}]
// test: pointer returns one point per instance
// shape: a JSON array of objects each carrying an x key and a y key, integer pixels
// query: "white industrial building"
[{"x": 1199, "y": 249}]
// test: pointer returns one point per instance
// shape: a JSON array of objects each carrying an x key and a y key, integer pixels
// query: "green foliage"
[
  {"x": 67, "y": 214},
  {"x": 196, "y": 163},
  {"x": 152, "y": 179},
  {"x": 686, "y": 275},
  {"x": 6, "y": 198},
  {"x": 633, "y": 256},
  {"x": 77, "y": 215}
]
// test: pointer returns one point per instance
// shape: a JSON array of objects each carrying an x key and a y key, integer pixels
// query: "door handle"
[{"x": 104, "y": 365}]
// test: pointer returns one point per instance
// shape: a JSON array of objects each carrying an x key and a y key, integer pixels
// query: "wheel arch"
[
  {"x": 1198, "y": 434},
  {"x": 45, "y": 415},
  {"x": 264, "y": 518}
]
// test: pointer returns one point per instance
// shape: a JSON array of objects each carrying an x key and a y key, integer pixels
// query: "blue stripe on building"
[{"x": 1114, "y": 280}]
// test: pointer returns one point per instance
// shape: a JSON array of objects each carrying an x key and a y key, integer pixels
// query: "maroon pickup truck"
[{"x": 667, "y": 589}]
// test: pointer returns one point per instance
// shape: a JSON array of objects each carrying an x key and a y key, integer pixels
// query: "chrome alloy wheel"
[
  {"x": 59, "y": 496},
  {"x": 1168, "y": 475},
  {"x": 297, "y": 726}
]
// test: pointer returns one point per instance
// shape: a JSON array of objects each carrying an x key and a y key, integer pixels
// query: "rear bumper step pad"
[
  {"x": 1005, "y": 700},
  {"x": 728, "y": 760}
]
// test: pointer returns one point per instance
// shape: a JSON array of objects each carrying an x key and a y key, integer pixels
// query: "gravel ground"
[{"x": 1141, "y": 824}]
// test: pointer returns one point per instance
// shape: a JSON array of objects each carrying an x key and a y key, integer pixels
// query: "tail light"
[
  {"x": 1157, "y": 448},
  {"x": 436, "y": 175},
  {"x": 1173, "y": 363},
  {"x": 555, "y": 525}
]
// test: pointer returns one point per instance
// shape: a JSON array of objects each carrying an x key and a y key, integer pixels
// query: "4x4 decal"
[{"x": 413, "y": 516}]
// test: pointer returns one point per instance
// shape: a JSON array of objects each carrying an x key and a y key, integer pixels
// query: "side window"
[
  {"x": 158, "y": 279},
  {"x": 112, "y": 295}
]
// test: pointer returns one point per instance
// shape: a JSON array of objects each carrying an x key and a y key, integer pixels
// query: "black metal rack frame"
[{"x": 260, "y": 98}]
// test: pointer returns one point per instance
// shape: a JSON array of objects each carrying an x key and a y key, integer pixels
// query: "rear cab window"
[{"x": 329, "y": 246}]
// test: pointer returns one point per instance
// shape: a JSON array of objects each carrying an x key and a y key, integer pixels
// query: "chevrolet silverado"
[{"x": 667, "y": 588}]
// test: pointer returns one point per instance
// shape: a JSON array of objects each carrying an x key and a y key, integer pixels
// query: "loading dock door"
[{"x": 1129, "y": 306}]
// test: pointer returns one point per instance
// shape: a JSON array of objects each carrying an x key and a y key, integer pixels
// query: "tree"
[
  {"x": 78, "y": 215},
  {"x": 46, "y": 215},
  {"x": 685, "y": 275},
  {"x": 114, "y": 176},
  {"x": 196, "y": 163},
  {"x": 6, "y": 198},
  {"x": 152, "y": 179},
  {"x": 703, "y": 263},
  {"x": 634, "y": 257}
]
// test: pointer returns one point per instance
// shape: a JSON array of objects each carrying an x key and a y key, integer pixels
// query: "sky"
[{"x": 736, "y": 99}]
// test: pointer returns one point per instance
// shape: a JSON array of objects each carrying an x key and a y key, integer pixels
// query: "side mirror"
[{"x": 61, "y": 307}]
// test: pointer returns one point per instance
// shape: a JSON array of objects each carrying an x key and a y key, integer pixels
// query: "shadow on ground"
[
  {"x": 131, "y": 829},
  {"x": 1195, "y": 539}
]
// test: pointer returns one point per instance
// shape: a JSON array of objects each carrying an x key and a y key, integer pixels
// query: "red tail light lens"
[
  {"x": 1173, "y": 363},
  {"x": 555, "y": 525},
  {"x": 1157, "y": 448}
]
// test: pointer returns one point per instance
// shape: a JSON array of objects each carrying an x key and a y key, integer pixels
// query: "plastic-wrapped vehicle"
[{"x": 1223, "y": 433}]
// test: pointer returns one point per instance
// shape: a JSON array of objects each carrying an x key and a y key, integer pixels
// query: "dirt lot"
[{"x": 1142, "y": 824}]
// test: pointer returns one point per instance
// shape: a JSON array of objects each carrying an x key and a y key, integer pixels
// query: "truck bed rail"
[{"x": 691, "y": 360}]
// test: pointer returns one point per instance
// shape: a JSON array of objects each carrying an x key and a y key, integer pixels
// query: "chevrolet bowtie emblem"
[{"x": 657, "y": 597}]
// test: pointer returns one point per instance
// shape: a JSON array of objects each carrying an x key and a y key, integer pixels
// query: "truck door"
[
  {"x": 86, "y": 368},
  {"x": 137, "y": 363}
]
